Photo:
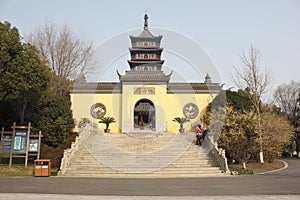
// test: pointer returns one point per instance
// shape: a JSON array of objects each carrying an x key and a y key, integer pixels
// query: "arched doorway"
[{"x": 144, "y": 115}]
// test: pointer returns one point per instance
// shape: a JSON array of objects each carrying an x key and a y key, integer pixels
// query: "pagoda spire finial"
[{"x": 146, "y": 21}]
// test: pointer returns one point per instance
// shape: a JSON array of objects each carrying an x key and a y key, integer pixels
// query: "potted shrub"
[
  {"x": 181, "y": 121},
  {"x": 107, "y": 121}
]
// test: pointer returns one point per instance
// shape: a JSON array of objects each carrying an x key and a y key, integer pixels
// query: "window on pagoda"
[
  {"x": 152, "y": 56},
  {"x": 145, "y": 68},
  {"x": 152, "y": 44},
  {"x": 146, "y": 56}
]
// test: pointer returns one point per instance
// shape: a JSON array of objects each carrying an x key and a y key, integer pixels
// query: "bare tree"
[
  {"x": 252, "y": 76},
  {"x": 68, "y": 56},
  {"x": 286, "y": 96}
]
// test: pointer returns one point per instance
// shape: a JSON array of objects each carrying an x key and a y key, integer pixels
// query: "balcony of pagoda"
[
  {"x": 145, "y": 59},
  {"x": 145, "y": 46}
]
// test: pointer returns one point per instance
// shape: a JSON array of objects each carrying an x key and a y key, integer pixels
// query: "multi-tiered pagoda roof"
[{"x": 145, "y": 63}]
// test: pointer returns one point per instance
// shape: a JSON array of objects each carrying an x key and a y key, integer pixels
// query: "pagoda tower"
[{"x": 145, "y": 63}]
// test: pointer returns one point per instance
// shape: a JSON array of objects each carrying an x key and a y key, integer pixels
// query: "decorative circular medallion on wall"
[
  {"x": 190, "y": 110},
  {"x": 98, "y": 110}
]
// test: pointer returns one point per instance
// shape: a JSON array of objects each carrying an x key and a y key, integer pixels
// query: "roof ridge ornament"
[
  {"x": 207, "y": 78},
  {"x": 146, "y": 21}
]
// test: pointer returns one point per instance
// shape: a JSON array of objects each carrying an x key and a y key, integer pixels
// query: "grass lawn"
[
  {"x": 19, "y": 170},
  {"x": 16, "y": 170},
  {"x": 258, "y": 167}
]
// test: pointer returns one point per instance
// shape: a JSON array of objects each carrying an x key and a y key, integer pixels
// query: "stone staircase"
[{"x": 123, "y": 155}]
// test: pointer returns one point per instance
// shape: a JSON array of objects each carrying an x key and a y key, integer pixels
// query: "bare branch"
[
  {"x": 286, "y": 96},
  {"x": 250, "y": 75},
  {"x": 68, "y": 56}
]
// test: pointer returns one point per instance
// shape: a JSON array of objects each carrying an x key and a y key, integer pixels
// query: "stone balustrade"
[
  {"x": 218, "y": 155},
  {"x": 69, "y": 154}
]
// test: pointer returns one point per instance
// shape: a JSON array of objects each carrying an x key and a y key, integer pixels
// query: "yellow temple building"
[{"x": 144, "y": 99}]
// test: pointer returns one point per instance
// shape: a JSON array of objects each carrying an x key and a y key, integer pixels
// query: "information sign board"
[
  {"x": 33, "y": 144},
  {"x": 20, "y": 142},
  {"x": 6, "y": 145}
]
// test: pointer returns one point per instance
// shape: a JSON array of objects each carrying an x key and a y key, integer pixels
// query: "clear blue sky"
[{"x": 222, "y": 28}]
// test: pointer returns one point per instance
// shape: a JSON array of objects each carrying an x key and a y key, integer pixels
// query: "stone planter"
[{"x": 181, "y": 130}]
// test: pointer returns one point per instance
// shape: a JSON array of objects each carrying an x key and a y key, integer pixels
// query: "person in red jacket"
[{"x": 199, "y": 133}]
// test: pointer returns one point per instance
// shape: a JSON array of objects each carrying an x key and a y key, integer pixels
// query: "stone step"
[
  {"x": 179, "y": 161},
  {"x": 181, "y": 165},
  {"x": 160, "y": 157},
  {"x": 148, "y": 172},
  {"x": 145, "y": 170},
  {"x": 145, "y": 175},
  {"x": 182, "y": 162},
  {"x": 159, "y": 162}
]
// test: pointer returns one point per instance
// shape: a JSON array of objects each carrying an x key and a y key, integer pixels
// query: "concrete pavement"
[
  {"x": 282, "y": 184},
  {"x": 97, "y": 197}
]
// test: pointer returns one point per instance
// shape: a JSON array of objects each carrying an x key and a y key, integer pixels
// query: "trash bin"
[{"x": 42, "y": 167}]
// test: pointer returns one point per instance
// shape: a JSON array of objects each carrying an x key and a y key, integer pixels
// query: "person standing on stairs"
[
  {"x": 204, "y": 135},
  {"x": 199, "y": 135}
]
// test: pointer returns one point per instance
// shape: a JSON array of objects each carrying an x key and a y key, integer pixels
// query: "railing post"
[{"x": 68, "y": 156}]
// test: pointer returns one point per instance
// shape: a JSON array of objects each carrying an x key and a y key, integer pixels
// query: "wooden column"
[
  {"x": 12, "y": 145},
  {"x": 39, "y": 145},
  {"x": 1, "y": 142},
  {"x": 27, "y": 144}
]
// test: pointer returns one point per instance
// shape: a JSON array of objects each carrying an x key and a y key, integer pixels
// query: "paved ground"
[{"x": 284, "y": 184}]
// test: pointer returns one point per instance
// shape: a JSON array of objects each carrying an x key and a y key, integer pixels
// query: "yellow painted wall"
[
  {"x": 81, "y": 105},
  {"x": 121, "y": 106}
]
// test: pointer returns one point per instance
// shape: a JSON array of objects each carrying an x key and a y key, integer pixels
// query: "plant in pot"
[
  {"x": 181, "y": 121},
  {"x": 107, "y": 121}
]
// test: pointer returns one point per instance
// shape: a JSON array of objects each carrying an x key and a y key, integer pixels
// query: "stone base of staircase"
[{"x": 192, "y": 162}]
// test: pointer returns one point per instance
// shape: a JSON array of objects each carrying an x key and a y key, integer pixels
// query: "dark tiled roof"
[
  {"x": 197, "y": 88},
  {"x": 145, "y": 76},
  {"x": 103, "y": 88},
  {"x": 146, "y": 34},
  {"x": 172, "y": 88}
]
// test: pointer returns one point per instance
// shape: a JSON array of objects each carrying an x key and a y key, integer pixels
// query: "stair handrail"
[
  {"x": 69, "y": 154},
  {"x": 218, "y": 155}
]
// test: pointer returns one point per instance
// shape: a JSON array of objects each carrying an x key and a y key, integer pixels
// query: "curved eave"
[
  {"x": 138, "y": 38},
  {"x": 145, "y": 49},
  {"x": 145, "y": 62}
]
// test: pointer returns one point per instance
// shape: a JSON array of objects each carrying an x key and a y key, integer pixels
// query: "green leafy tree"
[
  {"x": 23, "y": 76},
  {"x": 25, "y": 94},
  {"x": 10, "y": 50},
  {"x": 277, "y": 131},
  {"x": 54, "y": 119},
  {"x": 239, "y": 137},
  {"x": 239, "y": 129},
  {"x": 239, "y": 100}
]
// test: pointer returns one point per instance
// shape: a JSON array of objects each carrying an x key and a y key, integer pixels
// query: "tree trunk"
[
  {"x": 261, "y": 155},
  {"x": 23, "y": 105},
  {"x": 244, "y": 165}
]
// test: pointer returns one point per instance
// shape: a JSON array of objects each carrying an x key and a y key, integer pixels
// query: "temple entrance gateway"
[
  {"x": 143, "y": 100},
  {"x": 144, "y": 115}
]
